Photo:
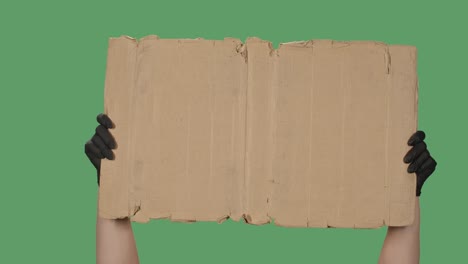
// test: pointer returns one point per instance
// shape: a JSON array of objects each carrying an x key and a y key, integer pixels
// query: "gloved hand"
[
  {"x": 420, "y": 160},
  {"x": 101, "y": 144}
]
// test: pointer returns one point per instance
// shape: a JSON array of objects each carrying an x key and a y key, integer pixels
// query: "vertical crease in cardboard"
[
  {"x": 272, "y": 105},
  {"x": 311, "y": 107},
  {"x": 134, "y": 206},
  {"x": 386, "y": 217},
  {"x": 242, "y": 50},
  {"x": 212, "y": 102},
  {"x": 344, "y": 86}
]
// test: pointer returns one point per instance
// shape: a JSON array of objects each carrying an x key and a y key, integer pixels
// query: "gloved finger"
[
  {"x": 105, "y": 120},
  {"x": 94, "y": 154},
  {"x": 96, "y": 163},
  {"x": 92, "y": 151},
  {"x": 423, "y": 175},
  {"x": 429, "y": 163},
  {"x": 97, "y": 140},
  {"x": 416, "y": 138},
  {"x": 415, "y": 166},
  {"x": 414, "y": 152},
  {"x": 106, "y": 136}
]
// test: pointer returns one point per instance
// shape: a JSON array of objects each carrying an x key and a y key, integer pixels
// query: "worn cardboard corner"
[{"x": 311, "y": 134}]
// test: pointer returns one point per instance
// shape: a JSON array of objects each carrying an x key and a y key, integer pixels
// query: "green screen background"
[{"x": 53, "y": 59}]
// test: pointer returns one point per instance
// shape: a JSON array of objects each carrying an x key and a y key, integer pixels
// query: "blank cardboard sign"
[{"x": 311, "y": 134}]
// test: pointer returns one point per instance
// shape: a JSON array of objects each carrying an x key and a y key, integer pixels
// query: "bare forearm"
[
  {"x": 115, "y": 242},
  {"x": 401, "y": 244}
]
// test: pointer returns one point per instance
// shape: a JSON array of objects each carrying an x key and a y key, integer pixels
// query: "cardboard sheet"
[{"x": 311, "y": 134}]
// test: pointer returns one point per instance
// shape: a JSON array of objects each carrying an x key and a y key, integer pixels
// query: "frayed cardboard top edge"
[{"x": 250, "y": 40}]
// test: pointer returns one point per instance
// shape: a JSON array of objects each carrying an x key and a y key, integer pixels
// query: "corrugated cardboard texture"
[{"x": 311, "y": 134}]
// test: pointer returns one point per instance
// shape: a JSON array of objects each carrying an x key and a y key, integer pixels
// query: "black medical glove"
[
  {"x": 101, "y": 144},
  {"x": 419, "y": 159}
]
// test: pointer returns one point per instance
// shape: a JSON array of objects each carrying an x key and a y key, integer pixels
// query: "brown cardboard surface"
[{"x": 311, "y": 134}]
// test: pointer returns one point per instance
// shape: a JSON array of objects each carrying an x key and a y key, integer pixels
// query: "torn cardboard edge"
[
  {"x": 126, "y": 196},
  {"x": 241, "y": 48}
]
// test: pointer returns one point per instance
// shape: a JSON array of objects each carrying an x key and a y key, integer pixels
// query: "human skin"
[
  {"x": 401, "y": 244},
  {"x": 115, "y": 242}
]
